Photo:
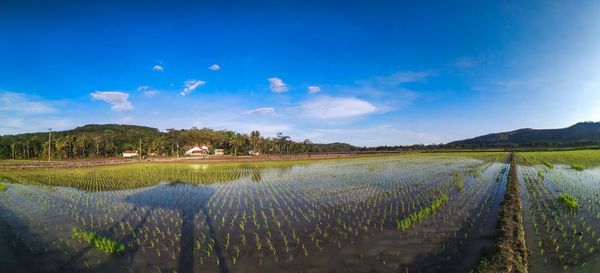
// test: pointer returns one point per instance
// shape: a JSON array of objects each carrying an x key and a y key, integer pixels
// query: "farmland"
[
  {"x": 561, "y": 210},
  {"x": 414, "y": 212}
]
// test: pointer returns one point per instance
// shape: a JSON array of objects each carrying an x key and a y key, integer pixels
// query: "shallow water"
[
  {"x": 561, "y": 239},
  {"x": 330, "y": 216}
]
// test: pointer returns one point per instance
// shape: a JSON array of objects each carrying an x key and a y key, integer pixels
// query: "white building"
[
  {"x": 197, "y": 151},
  {"x": 130, "y": 153}
]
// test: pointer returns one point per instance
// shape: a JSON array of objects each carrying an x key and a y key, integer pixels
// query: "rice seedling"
[
  {"x": 224, "y": 217},
  {"x": 569, "y": 200},
  {"x": 108, "y": 246}
]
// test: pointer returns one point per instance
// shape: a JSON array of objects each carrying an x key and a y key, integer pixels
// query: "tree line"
[{"x": 99, "y": 141}]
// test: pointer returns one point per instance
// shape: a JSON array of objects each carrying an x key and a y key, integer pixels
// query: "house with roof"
[
  {"x": 130, "y": 153},
  {"x": 197, "y": 151}
]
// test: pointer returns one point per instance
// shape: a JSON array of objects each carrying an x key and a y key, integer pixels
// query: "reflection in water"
[{"x": 271, "y": 218}]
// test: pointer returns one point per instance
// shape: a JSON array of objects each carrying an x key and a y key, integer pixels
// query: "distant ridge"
[{"x": 582, "y": 133}]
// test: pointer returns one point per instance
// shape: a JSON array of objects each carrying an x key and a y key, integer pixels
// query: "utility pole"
[
  {"x": 177, "y": 149},
  {"x": 49, "y": 143}
]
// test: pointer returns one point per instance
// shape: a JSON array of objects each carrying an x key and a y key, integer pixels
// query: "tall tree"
[{"x": 255, "y": 140}]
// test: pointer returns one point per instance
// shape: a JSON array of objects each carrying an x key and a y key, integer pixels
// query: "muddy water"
[{"x": 322, "y": 217}]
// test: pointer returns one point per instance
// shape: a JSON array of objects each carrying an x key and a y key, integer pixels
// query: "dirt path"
[{"x": 511, "y": 255}]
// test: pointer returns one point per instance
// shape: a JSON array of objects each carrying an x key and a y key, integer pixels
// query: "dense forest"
[{"x": 94, "y": 141}]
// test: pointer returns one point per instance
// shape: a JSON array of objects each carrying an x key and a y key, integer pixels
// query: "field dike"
[{"x": 510, "y": 254}]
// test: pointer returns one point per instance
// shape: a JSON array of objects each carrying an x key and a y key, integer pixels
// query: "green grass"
[
  {"x": 2, "y": 187},
  {"x": 107, "y": 246}
]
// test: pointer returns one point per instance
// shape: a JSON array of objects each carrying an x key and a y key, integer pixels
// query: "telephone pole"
[{"x": 49, "y": 143}]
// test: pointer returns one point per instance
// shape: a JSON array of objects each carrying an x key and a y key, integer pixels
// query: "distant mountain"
[{"x": 583, "y": 133}]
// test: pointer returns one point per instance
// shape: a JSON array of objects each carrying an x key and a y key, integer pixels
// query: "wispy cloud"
[
  {"x": 465, "y": 62},
  {"x": 147, "y": 91},
  {"x": 214, "y": 67},
  {"x": 118, "y": 100},
  {"x": 401, "y": 77},
  {"x": 191, "y": 85},
  {"x": 157, "y": 68},
  {"x": 261, "y": 111},
  {"x": 151, "y": 93},
  {"x": 326, "y": 107},
  {"x": 23, "y": 103},
  {"x": 277, "y": 85},
  {"x": 22, "y": 112},
  {"x": 313, "y": 89}
]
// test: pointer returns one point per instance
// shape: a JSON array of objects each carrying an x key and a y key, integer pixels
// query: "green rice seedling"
[
  {"x": 569, "y": 200},
  {"x": 419, "y": 215},
  {"x": 106, "y": 245},
  {"x": 577, "y": 167},
  {"x": 2, "y": 187}
]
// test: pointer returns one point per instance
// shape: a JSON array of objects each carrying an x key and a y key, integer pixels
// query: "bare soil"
[{"x": 511, "y": 255}]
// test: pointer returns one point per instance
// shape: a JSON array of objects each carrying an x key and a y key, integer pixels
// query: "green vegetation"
[
  {"x": 582, "y": 134},
  {"x": 135, "y": 175},
  {"x": 458, "y": 179},
  {"x": 419, "y": 215},
  {"x": 577, "y": 167},
  {"x": 110, "y": 140},
  {"x": 511, "y": 251},
  {"x": 576, "y": 159},
  {"x": 569, "y": 200},
  {"x": 108, "y": 246},
  {"x": 271, "y": 213},
  {"x": 2, "y": 187},
  {"x": 563, "y": 242}
]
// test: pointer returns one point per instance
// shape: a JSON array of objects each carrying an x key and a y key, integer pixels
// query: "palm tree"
[
  {"x": 254, "y": 139},
  {"x": 234, "y": 141}
]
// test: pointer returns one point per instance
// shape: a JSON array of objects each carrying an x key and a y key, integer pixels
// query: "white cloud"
[
  {"x": 23, "y": 103},
  {"x": 191, "y": 85},
  {"x": 313, "y": 89},
  {"x": 151, "y": 93},
  {"x": 261, "y": 111},
  {"x": 214, "y": 67},
  {"x": 277, "y": 85},
  {"x": 118, "y": 100},
  {"x": 157, "y": 68},
  {"x": 340, "y": 107},
  {"x": 402, "y": 77},
  {"x": 147, "y": 91}
]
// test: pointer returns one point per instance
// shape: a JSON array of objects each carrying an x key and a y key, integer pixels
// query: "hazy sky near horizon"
[{"x": 363, "y": 72}]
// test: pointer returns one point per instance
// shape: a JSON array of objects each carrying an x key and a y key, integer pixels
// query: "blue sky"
[{"x": 363, "y": 72}]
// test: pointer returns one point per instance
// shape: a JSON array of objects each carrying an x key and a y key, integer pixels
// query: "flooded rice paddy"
[
  {"x": 415, "y": 213},
  {"x": 561, "y": 237}
]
